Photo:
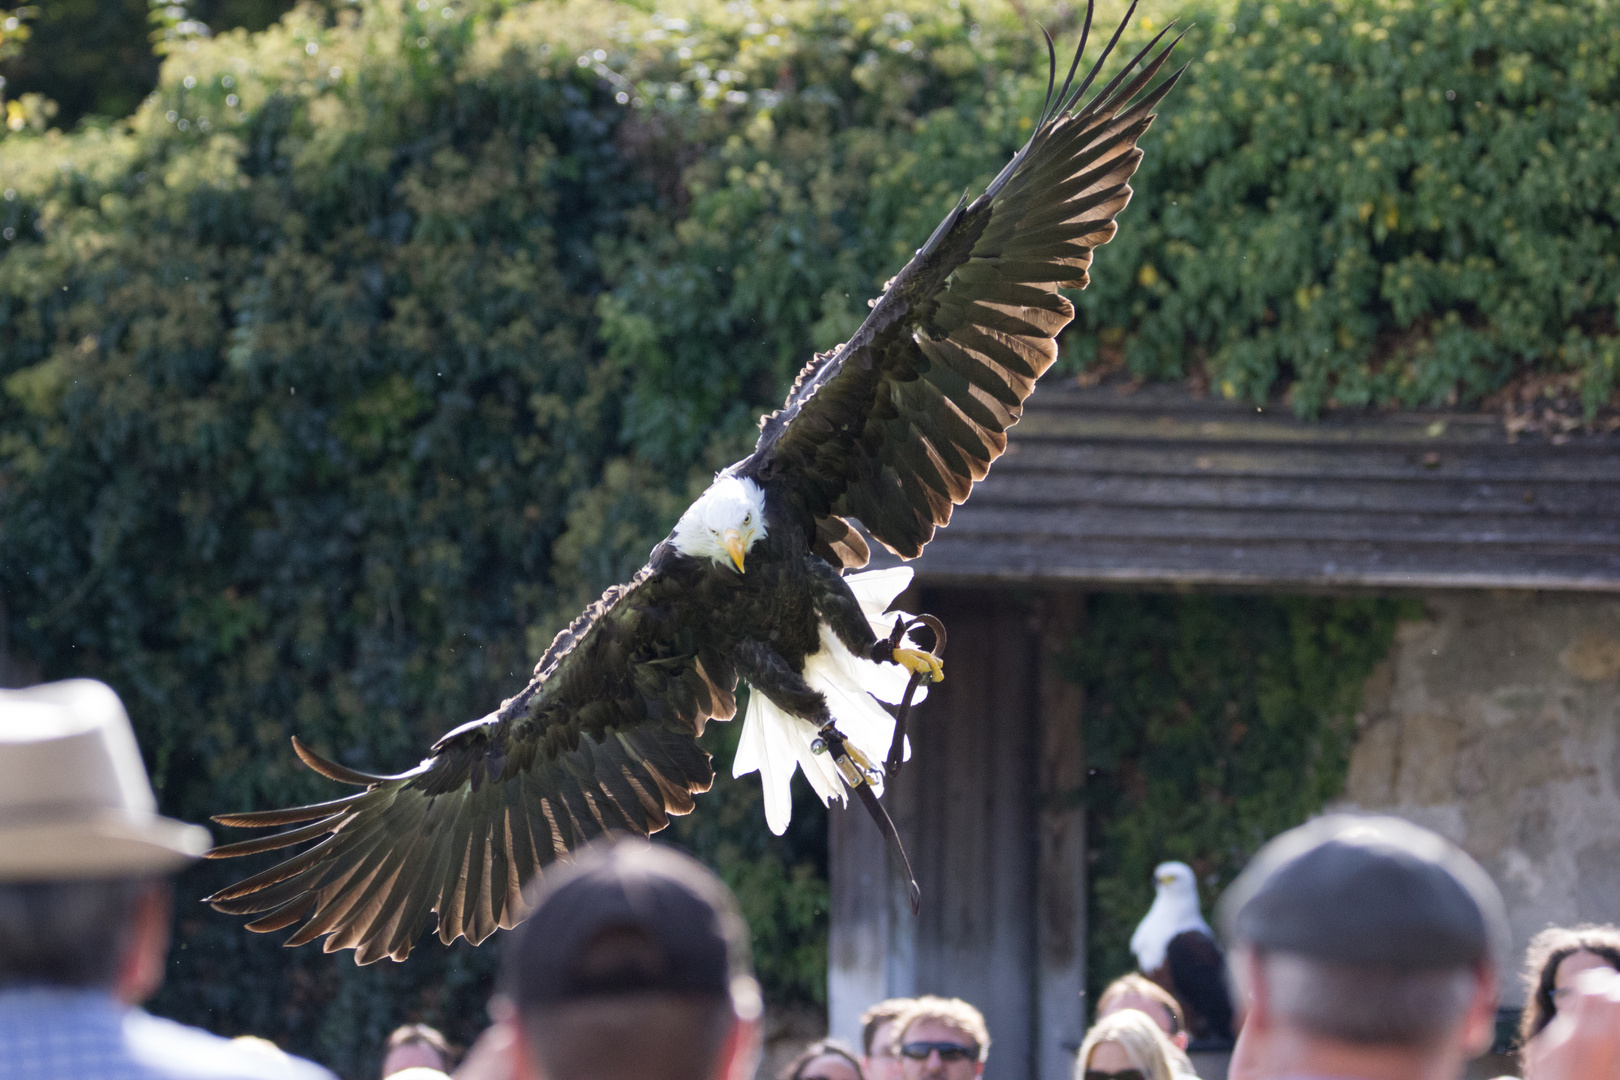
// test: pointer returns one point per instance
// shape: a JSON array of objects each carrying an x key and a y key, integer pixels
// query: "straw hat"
[{"x": 74, "y": 798}]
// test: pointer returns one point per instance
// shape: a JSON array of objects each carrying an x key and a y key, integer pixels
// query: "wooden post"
[
  {"x": 965, "y": 806},
  {"x": 1060, "y": 900}
]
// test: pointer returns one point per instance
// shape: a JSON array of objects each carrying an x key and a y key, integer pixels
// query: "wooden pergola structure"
[{"x": 1154, "y": 489}]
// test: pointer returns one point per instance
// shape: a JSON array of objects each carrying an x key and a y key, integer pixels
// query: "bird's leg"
[
  {"x": 855, "y": 767},
  {"x": 861, "y": 775},
  {"x": 837, "y": 606},
  {"x": 767, "y": 673},
  {"x": 920, "y": 662}
]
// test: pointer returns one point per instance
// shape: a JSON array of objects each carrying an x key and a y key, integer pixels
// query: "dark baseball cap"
[
  {"x": 630, "y": 917},
  {"x": 1368, "y": 891}
]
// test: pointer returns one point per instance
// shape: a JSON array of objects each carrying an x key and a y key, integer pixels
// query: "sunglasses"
[
  {"x": 1123, "y": 1074},
  {"x": 948, "y": 1051}
]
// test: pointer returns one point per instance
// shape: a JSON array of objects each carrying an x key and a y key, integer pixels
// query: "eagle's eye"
[{"x": 748, "y": 519}]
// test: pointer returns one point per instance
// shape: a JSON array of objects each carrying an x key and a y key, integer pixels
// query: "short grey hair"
[
  {"x": 1368, "y": 1005},
  {"x": 67, "y": 933}
]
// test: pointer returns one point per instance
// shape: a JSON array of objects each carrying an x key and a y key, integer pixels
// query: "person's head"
[
  {"x": 1555, "y": 959},
  {"x": 84, "y": 857},
  {"x": 880, "y": 1056},
  {"x": 1583, "y": 1040},
  {"x": 1362, "y": 940},
  {"x": 1126, "y": 1045},
  {"x": 1145, "y": 996},
  {"x": 941, "y": 1039},
  {"x": 415, "y": 1046},
  {"x": 824, "y": 1059},
  {"x": 632, "y": 965}
]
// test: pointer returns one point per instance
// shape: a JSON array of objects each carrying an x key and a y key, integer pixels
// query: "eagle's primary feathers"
[{"x": 892, "y": 428}]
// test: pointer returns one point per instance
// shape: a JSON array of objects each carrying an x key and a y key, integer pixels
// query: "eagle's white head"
[
  {"x": 1176, "y": 879},
  {"x": 724, "y": 523},
  {"x": 1175, "y": 909}
]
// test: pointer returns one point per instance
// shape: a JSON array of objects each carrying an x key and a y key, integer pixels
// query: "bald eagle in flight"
[
  {"x": 1175, "y": 948},
  {"x": 892, "y": 428}
]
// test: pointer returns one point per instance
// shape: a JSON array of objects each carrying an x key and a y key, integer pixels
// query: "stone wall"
[{"x": 1496, "y": 722}]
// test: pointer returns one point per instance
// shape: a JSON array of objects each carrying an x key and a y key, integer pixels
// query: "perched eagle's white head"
[
  {"x": 1175, "y": 909},
  {"x": 724, "y": 523},
  {"x": 1176, "y": 878}
]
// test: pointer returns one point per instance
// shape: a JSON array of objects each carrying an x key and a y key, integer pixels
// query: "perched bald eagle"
[
  {"x": 892, "y": 428},
  {"x": 1175, "y": 948}
]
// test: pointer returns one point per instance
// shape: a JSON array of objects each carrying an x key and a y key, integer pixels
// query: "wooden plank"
[
  {"x": 858, "y": 923},
  {"x": 1051, "y": 419},
  {"x": 1060, "y": 487},
  {"x": 1019, "y": 558},
  {"x": 1144, "y": 456},
  {"x": 965, "y": 805},
  {"x": 1060, "y": 894},
  {"x": 1200, "y": 524}
]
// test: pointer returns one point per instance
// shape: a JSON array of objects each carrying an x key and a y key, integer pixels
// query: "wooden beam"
[
  {"x": 965, "y": 806},
  {"x": 1060, "y": 888},
  {"x": 860, "y": 923}
]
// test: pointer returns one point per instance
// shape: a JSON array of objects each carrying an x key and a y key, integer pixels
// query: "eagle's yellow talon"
[{"x": 917, "y": 660}]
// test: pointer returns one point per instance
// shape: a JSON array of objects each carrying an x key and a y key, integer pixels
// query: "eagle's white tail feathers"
[
  {"x": 776, "y": 742},
  {"x": 876, "y": 590}
]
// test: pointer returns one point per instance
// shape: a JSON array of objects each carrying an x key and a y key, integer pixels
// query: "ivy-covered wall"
[
  {"x": 1381, "y": 202},
  {"x": 1210, "y": 724}
]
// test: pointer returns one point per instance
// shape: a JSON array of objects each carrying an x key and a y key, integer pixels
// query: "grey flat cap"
[{"x": 1369, "y": 892}]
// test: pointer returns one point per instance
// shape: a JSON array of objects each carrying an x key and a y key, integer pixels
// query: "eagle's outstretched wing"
[
  {"x": 895, "y": 426},
  {"x": 603, "y": 738}
]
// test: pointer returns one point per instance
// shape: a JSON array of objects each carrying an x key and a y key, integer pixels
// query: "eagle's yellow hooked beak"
[{"x": 734, "y": 547}]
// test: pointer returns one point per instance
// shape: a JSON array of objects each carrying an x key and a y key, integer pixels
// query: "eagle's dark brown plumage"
[{"x": 892, "y": 428}]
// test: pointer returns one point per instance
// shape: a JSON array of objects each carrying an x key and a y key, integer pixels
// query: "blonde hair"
[
  {"x": 1142, "y": 986},
  {"x": 884, "y": 1012},
  {"x": 952, "y": 1012},
  {"x": 1144, "y": 1043}
]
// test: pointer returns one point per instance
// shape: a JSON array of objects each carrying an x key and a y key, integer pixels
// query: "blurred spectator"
[
  {"x": 881, "y": 1060},
  {"x": 824, "y": 1059},
  {"x": 1556, "y": 958},
  {"x": 633, "y": 965},
  {"x": 942, "y": 1039},
  {"x": 85, "y": 904},
  {"x": 1583, "y": 1040},
  {"x": 415, "y": 1046},
  {"x": 1141, "y": 993},
  {"x": 1366, "y": 948},
  {"x": 1127, "y": 1045}
]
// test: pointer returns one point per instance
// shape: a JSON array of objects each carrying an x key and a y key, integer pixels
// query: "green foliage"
[
  {"x": 836, "y": 136},
  {"x": 1210, "y": 724},
  {"x": 302, "y": 403},
  {"x": 348, "y": 369},
  {"x": 96, "y": 58},
  {"x": 14, "y": 30},
  {"x": 1385, "y": 202}
]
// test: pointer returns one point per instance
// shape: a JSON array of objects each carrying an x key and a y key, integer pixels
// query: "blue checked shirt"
[{"x": 49, "y": 1033}]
